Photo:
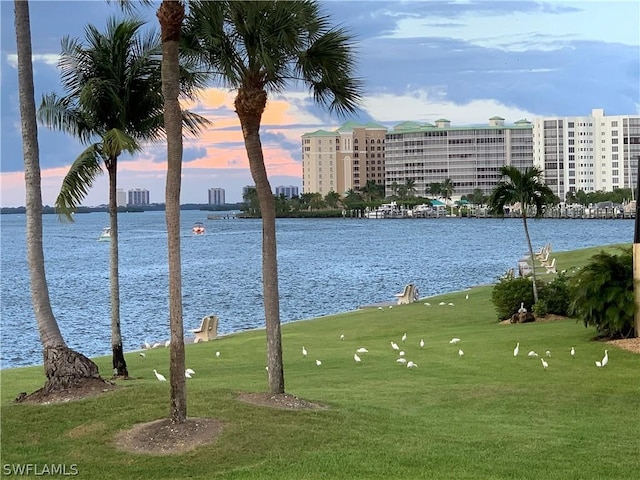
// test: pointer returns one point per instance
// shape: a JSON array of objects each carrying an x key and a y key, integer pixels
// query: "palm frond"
[
  {"x": 115, "y": 141},
  {"x": 78, "y": 181},
  {"x": 59, "y": 113}
]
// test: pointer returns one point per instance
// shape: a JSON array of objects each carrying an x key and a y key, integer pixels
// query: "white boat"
[
  {"x": 198, "y": 228},
  {"x": 105, "y": 236}
]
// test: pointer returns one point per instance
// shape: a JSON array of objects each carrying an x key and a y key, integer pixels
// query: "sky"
[{"x": 462, "y": 60}]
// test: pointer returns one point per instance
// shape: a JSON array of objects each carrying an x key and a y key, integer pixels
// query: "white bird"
[
  {"x": 422, "y": 343},
  {"x": 460, "y": 352},
  {"x": 190, "y": 371},
  {"x": 318, "y": 362},
  {"x": 522, "y": 309},
  {"x": 605, "y": 359},
  {"x": 401, "y": 353},
  {"x": 187, "y": 374},
  {"x": 379, "y": 308},
  {"x": 395, "y": 346},
  {"x": 454, "y": 340},
  {"x": 142, "y": 355},
  {"x": 516, "y": 350},
  {"x": 156, "y": 345},
  {"x": 544, "y": 364},
  {"x": 342, "y": 337},
  {"x": 167, "y": 343},
  {"x": 159, "y": 376},
  {"x": 357, "y": 358},
  {"x": 362, "y": 350},
  {"x": 532, "y": 354},
  {"x": 147, "y": 344},
  {"x": 573, "y": 352},
  {"x": 548, "y": 353},
  {"x": 404, "y": 337},
  {"x": 304, "y": 352},
  {"x": 217, "y": 354},
  {"x": 390, "y": 306},
  {"x": 451, "y": 304},
  {"x": 401, "y": 360},
  {"x": 466, "y": 297},
  {"x": 442, "y": 303},
  {"x": 410, "y": 364},
  {"x": 427, "y": 304}
]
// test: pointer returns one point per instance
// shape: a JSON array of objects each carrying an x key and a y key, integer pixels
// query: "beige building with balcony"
[{"x": 343, "y": 159}]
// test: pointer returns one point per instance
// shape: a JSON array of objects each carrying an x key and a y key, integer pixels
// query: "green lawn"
[{"x": 486, "y": 415}]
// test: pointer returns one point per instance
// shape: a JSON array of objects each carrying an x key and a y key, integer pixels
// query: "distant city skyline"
[{"x": 419, "y": 61}]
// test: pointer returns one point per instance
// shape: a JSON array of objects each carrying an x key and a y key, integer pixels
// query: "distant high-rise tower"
[
  {"x": 121, "y": 198},
  {"x": 216, "y": 196},
  {"x": 288, "y": 191},
  {"x": 138, "y": 196}
]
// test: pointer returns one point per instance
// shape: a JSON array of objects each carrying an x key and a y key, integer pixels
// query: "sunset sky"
[{"x": 420, "y": 60}]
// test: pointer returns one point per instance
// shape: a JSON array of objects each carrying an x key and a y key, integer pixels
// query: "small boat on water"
[
  {"x": 198, "y": 228},
  {"x": 105, "y": 236}
]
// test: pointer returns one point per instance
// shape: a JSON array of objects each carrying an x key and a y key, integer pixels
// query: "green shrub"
[
  {"x": 509, "y": 293},
  {"x": 602, "y": 294},
  {"x": 556, "y": 295},
  {"x": 540, "y": 309}
]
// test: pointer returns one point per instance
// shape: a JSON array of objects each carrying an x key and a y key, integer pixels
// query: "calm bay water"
[{"x": 325, "y": 266}]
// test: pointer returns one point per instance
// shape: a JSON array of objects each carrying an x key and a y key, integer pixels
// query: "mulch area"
[{"x": 283, "y": 400}]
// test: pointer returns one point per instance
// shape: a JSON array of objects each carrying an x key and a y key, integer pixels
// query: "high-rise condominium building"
[
  {"x": 121, "y": 197},
  {"x": 216, "y": 196},
  {"x": 471, "y": 156},
  {"x": 138, "y": 196},
  {"x": 288, "y": 191},
  {"x": 589, "y": 153},
  {"x": 343, "y": 159}
]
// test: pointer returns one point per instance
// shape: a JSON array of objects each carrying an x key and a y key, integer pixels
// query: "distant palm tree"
[
  {"x": 410, "y": 186},
  {"x": 332, "y": 199},
  {"x": 528, "y": 189},
  {"x": 63, "y": 367},
  {"x": 257, "y": 48},
  {"x": 114, "y": 103},
  {"x": 434, "y": 189},
  {"x": 447, "y": 189}
]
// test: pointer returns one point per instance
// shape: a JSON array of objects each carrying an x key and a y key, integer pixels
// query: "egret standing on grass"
[
  {"x": 573, "y": 352},
  {"x": 304, "y": 352},
  {"x": 357, "y": 358},
  {"x": 159, "y": 376},
  {"x": 395, "y": 346},
  {"x": 460, "y": 352},
  {"x": 404, "y": 337},
  {"x": 422, "y": 343},
  {"x": 318, "y": 362},
  {"x": 516, "y": 350},
  {"x": 544, "y": 364}
]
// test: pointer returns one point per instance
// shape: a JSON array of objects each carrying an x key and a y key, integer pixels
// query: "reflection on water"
[{"x": 326, "y": 266}]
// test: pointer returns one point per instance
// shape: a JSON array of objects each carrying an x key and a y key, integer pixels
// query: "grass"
[{"x": 486, "y": 415}]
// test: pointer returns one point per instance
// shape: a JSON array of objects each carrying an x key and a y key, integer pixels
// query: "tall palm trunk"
[
  {"x": 533, "y": 261},
  {"x": 119, "y": 363},
  {"x": 171, "y": 14},
  {"x": 250, "y": 105},
  {"x": 63, "y": 367}
]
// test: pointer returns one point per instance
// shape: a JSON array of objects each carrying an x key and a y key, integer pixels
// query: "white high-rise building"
[
  {"x": 138, "y": 196},
  {"x": 121, "y": 197},
  {"x": 216, "y": 196},
  {"x": 591, "y": 153},
  {"x": 288, "y": 191},
  {"x": 471, "y": 156}
]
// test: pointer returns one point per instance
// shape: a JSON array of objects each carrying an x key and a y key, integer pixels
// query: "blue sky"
[{"x": 420, "y": 60}]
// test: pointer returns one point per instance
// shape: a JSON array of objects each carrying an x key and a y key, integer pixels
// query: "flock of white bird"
[{"x": 402, "y": 360}]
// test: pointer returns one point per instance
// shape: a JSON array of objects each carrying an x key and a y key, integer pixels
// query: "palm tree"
[
  {"x": 527, "y": 188},
  {"x": 434, "y": 189},
  {"x": 257, "y": 48},
  {"x": 170, "y": 16},
  {"x": 63, "y": 367},
  {"x": 113, "y": 102},
  {"x": 410, "y": 186},
  {"x": 446, "y": 190},
  {"x": 332, "y": 199}
]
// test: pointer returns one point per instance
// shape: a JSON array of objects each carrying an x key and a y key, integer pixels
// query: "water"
[{"x": 325, "y": 266}]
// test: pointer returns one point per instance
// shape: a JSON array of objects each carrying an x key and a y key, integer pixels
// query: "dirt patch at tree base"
[
  {"x": 163, "y": 437},
  {"x": 84, "y": 388},
  {"x": 280, "y": 400}
]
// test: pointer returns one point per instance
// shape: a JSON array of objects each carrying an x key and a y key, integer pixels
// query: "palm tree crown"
[{"x": 526, "y": 188}]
